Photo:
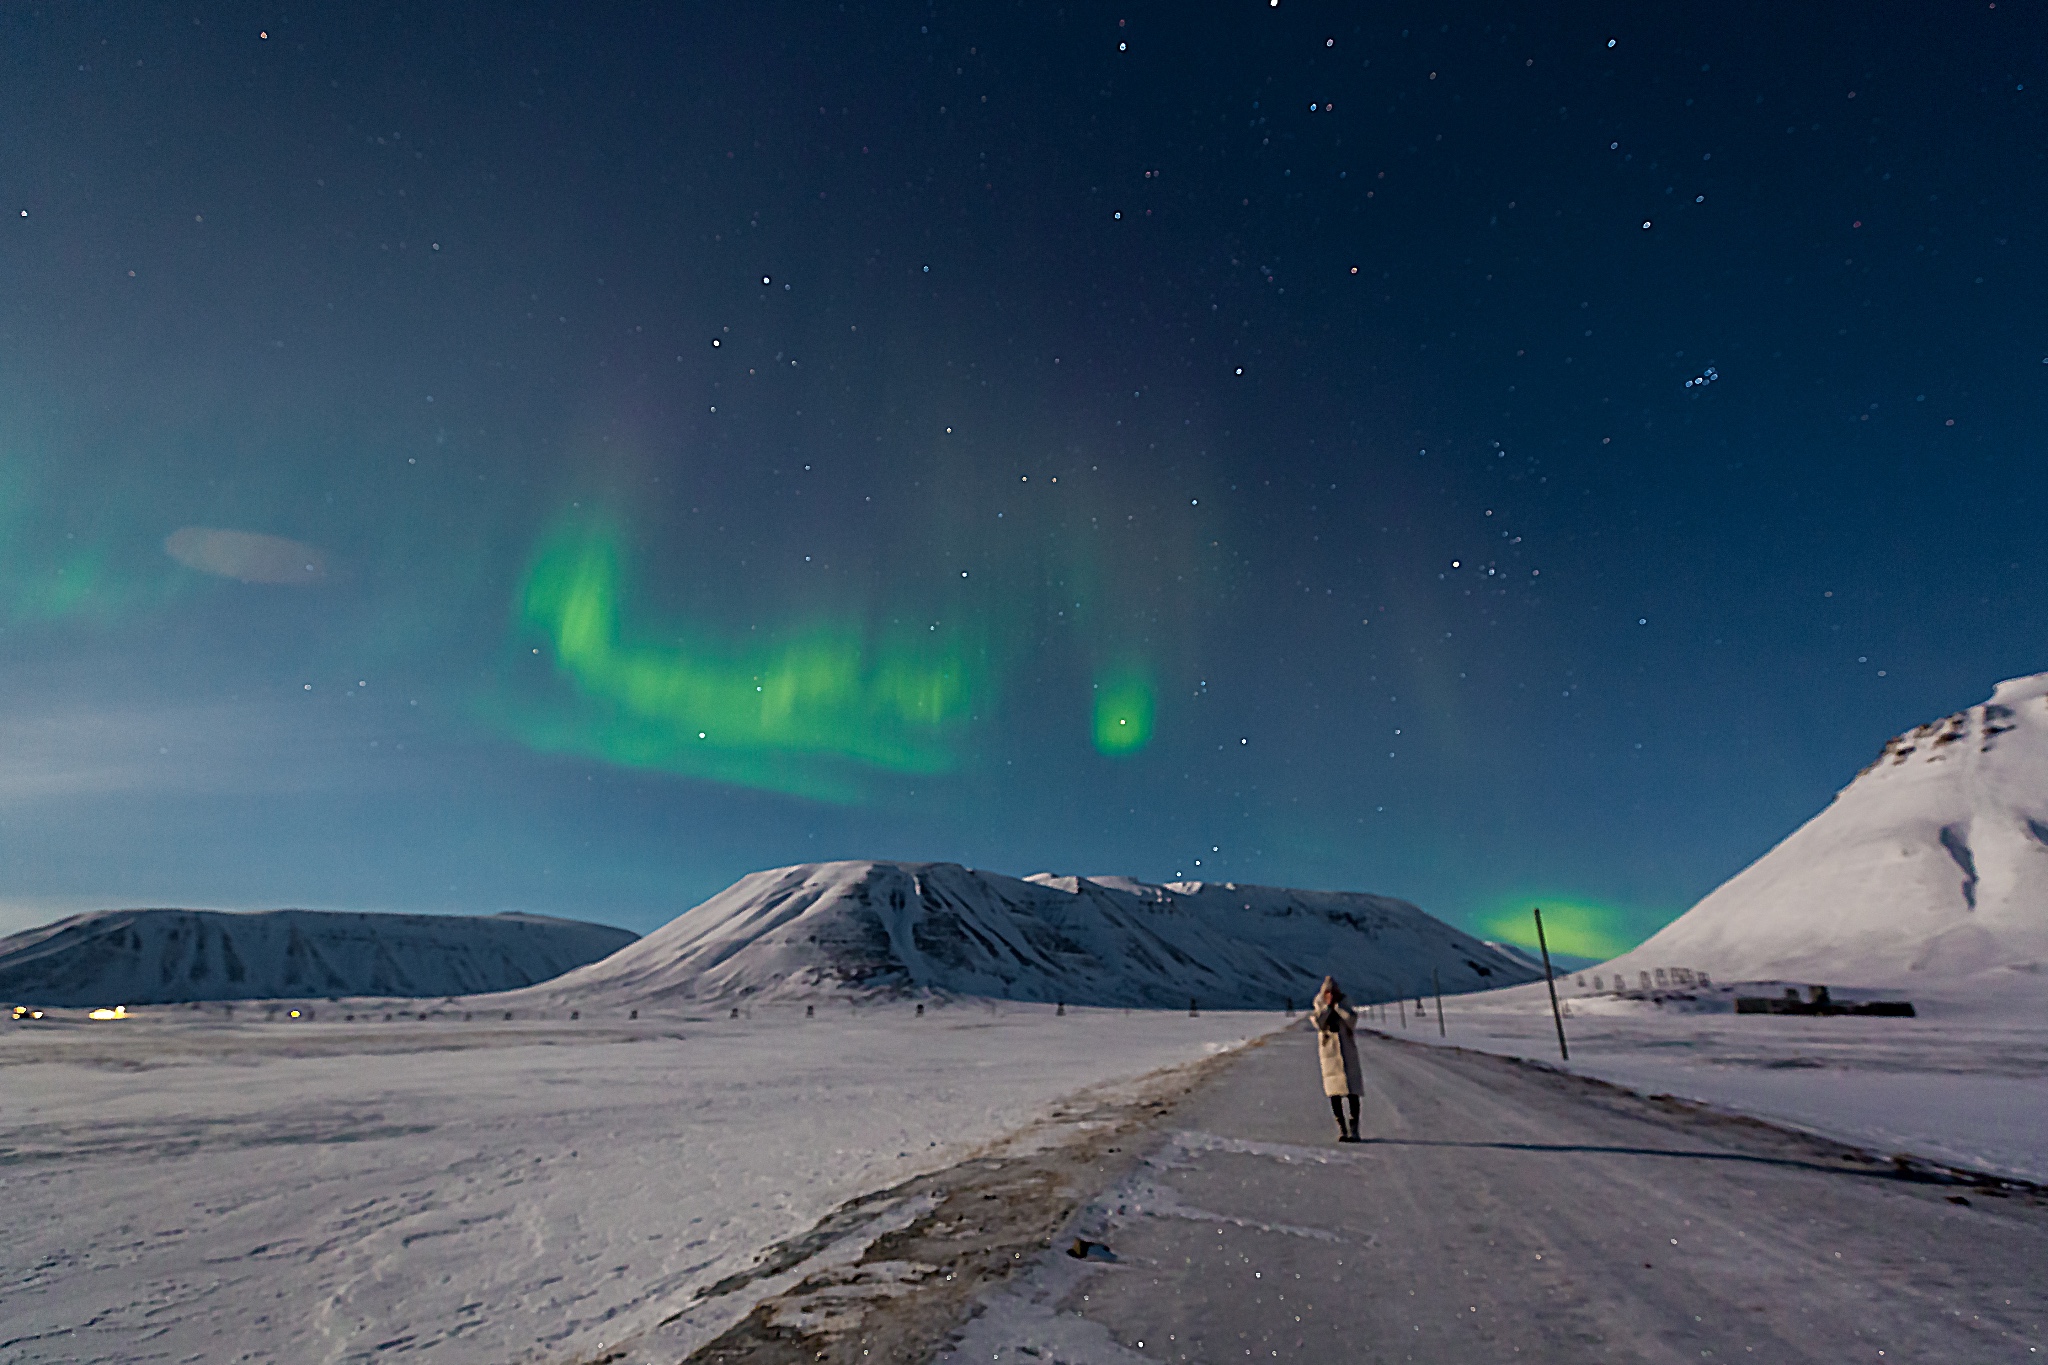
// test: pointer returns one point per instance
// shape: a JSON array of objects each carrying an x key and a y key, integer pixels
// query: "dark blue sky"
[{"x": 1077, "y": 439}]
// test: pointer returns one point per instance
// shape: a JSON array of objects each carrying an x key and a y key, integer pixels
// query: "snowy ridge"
[
  {"x": 157, "y": 957},
  {"x": 1522, "y": 955},
  {"x": 1927, "y": 875},
  {"x": 908, "y": 928}
]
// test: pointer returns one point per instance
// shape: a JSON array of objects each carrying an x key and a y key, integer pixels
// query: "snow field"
[
  {"x": 1969, "y": 1091},
  {"x": 187, "y": 1192}
]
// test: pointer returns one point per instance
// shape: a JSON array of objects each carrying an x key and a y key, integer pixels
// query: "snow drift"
[
  {"x": 158, "y": 957},
  {"x": 1927, "y": 875},
  {"x": 906, "y": 928}
]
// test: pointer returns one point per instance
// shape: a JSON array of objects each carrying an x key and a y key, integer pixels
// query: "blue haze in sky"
[{"x": 561, "y": 458}]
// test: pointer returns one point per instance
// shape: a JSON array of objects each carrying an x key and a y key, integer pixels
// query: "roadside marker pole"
[
  {"x": 1557, "y": 1016},
  {"x": 1402, "y": 1005},
  {"x": 1436, "y": 983}
]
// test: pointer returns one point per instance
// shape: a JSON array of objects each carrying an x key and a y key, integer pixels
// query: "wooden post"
[
  {"x": 1557, "y": 1016},
  {"x": 1436, "y": 984}
]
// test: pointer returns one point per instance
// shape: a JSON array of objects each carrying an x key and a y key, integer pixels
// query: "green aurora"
[
  {"x": 806, "y": 713},
  {"x": 1571, "y": 926},
  {"x": 1124, "y": 705},
  {"x": 51, "y": 573}
]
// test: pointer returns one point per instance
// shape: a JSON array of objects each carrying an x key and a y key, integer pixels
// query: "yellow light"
[
  {"x": 295, "y": 1014},
  {"x": 118, "y": 1012}
]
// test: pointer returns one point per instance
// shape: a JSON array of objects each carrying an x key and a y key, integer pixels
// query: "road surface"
[{"x": 1499, "y": 1211}]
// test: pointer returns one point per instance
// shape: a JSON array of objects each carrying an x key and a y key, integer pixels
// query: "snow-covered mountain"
[
  {"x": 1928, "y": 874},
  {"x": 1526, "y": 956},
  {"x": 905, "y": 928},
  {"x": 154, "y": 957}
]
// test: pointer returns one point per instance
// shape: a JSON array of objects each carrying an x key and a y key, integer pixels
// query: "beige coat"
[{"x": 1338, "y": 1048}]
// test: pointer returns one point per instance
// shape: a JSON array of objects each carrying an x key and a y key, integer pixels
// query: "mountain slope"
[
  {"x": 152, "y": 957},
  {"x": 1927, "y": 874},
  {"x": 899, "y": 928}
]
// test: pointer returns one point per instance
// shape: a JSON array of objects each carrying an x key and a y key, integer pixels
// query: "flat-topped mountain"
[
  {"x": 157, "y": 957},
  {"x": 910, "y": 928}
]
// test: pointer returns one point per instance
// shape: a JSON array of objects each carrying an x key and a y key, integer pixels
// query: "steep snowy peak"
[
  {"x": 2014, "y": 703},
  {"x": 903, "y": 928},
  {"x": 156, "y": 957},
  {"x": 1928, "y": 874}
]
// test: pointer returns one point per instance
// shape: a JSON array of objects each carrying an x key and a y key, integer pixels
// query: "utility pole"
[
  {"x": 1556, "y": 1015},
  {"x": 1436, "y": 983}
]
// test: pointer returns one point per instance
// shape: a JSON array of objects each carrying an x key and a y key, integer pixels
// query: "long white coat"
[{"x": 1338, "y": 1048}]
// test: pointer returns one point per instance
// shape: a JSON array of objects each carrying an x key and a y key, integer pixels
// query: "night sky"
[{"x": 561, "y": 458}]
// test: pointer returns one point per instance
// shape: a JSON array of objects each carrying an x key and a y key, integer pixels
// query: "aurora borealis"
[
  {"x": 777, "y": 715},
  {"x": 529, "y": 457}
]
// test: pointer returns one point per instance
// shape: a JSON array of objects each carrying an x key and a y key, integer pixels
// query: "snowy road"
[{"x": 1497, "y": 1210}]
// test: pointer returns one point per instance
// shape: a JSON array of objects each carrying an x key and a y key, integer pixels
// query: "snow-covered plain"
[
  {"x": 186, "y": 1190},
  {"x": 1960, "y": 1088}
]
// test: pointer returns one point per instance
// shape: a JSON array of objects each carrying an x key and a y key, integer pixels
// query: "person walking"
[{"x": 1337, "y": 1046}]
